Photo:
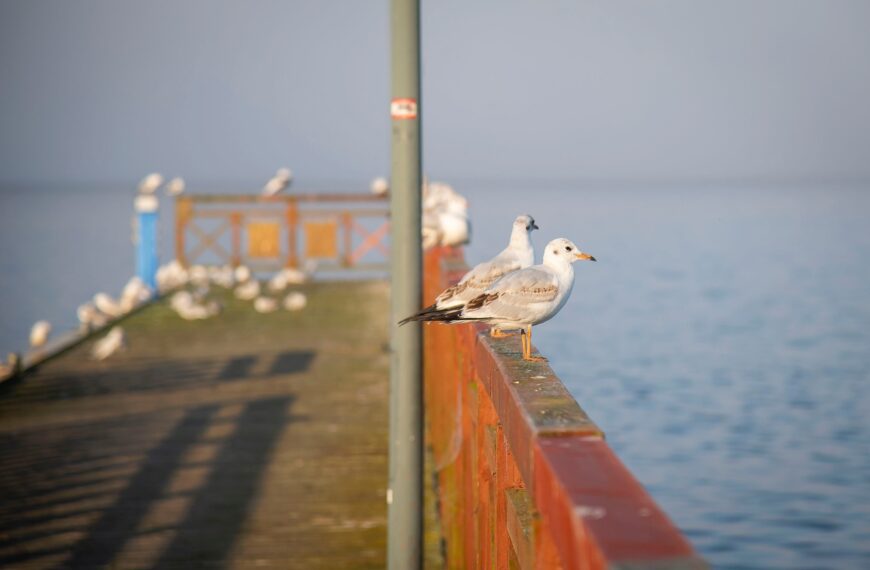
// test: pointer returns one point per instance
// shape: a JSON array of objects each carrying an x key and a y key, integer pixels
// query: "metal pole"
[
  {"x": 405, "y": 493},
  {"x": 146, "y": 246}
]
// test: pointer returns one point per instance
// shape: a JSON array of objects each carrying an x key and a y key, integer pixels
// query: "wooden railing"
[
  {"x": 283, "y": 231},
  {"x": 524, "y": 477}
]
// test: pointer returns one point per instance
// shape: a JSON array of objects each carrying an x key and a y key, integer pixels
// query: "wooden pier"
[
  {"x": 251, "y": 440},
  {"x": 243, "y": 441}
]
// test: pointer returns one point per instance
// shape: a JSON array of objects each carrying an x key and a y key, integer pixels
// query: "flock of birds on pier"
[
  {"x": 444, "y": 213},
  {"x": 508, "y": 292},
  {"x": 189, "y": 291},
  {"x": 445, "y": 222}
]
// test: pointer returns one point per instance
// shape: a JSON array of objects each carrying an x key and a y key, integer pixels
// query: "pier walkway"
[{"x": 241, "y": 441}]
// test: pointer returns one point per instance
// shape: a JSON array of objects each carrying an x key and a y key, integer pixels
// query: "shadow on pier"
[{"x": 248, "y": 440}]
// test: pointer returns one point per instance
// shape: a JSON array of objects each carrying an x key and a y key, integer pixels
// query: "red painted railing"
[{"x": 525, "y": 478}]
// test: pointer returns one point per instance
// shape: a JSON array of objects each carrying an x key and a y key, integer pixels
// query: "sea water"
[{"x": 722, "y": 340}]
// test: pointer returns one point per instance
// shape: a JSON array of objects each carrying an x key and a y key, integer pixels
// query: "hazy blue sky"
[{"x": 641, "y": 90}]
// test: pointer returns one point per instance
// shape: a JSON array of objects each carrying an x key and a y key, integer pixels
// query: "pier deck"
[{"x": 241, "y": 441}]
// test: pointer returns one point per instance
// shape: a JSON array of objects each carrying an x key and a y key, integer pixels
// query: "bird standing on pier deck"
[
  {"x": 518, "y": 254},
  {"x": 521, "y": 299},
  {"x": 107, "y": 346}
]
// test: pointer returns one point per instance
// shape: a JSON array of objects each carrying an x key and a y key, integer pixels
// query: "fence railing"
[
  {"x": 525, "y": 478},
  {"x": 338, "y": 231}
]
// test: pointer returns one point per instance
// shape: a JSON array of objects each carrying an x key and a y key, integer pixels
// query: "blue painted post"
[{"x": 146, "y": 247}]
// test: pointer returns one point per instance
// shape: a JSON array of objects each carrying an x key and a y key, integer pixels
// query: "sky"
[{"x": 685, "y": 90}]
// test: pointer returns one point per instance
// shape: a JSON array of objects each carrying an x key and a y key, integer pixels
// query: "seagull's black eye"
[
  {"x": 567, "y": 248},
  {"x": 527, "y": 227}
]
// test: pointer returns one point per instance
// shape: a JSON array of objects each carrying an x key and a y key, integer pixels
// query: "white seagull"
[
  {"x": 247, "y": 290},
  {"x": 39, "y": 333},
  {"x": 295, "y": 301},
  {"x": 279, "y": 182},
  {"x": 380, "y": 186},
  {"x": 150, "y": 183},
  {"x": 109, "y": 344},
  {"x": 11, "y": 367},
  {"x": 265, "y": 305},
  {"x": 518, "y": 254},
  {"x": 521, "y": 299},
  {"x": 175, "y": 186},
  {"x": 107, "y": 305}
]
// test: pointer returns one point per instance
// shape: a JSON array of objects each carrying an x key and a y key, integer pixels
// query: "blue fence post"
[{"x": 146, "y": 207}]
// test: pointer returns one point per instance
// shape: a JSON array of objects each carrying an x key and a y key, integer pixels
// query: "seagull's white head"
[
  {"x": 563, "y": 251},
  {"x": 525, "y": 222}
]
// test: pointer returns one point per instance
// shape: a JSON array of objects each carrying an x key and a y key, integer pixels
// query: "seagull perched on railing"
[
  {"x": 380, "y": 186},
  {"x": 518, "y": 254},
  {"x": 444, "y": 216},
  {"x": 11, "y": 367},
  {"x": 282, "y": 179},
  {"x": 107, "y": 305},
  {"x": 39, "y": 333},
  {"x": 523, "y": 298}
]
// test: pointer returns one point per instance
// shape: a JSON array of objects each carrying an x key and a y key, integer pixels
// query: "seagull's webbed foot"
[{"x": 535, "y": 359}]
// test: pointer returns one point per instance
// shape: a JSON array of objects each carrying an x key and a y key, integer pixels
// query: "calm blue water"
[{"x": 722, "y": 340}]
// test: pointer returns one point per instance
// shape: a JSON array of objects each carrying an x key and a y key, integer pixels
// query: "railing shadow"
[
  {"x": 149, "y": 375},
  {"x": 202, "y": 532}
]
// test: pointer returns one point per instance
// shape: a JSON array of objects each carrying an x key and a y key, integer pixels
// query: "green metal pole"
[{"x": 405, "y": 494}]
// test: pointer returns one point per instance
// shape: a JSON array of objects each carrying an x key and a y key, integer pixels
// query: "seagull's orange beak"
[{"x": 586, "y": 256}]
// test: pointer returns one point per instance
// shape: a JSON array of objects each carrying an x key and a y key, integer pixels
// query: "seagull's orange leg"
[
  {"x": 525, "y": 344},
  {"x": 527, "y": 348}
]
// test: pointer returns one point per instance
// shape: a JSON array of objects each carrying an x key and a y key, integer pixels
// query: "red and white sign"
[{"x": 403, "y": 108}]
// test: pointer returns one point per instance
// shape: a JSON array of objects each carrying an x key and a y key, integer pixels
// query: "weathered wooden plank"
[{"x": 245, "y": 440}]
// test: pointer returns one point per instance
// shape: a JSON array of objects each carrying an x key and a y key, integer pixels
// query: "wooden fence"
[{"x": 524, "y": 477}]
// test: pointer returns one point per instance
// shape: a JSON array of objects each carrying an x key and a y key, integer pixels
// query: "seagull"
[
  {"x": 242, "y": 273},
  {"x": 265, "y": 305},
  {"x": 222, "y": 276},
  {"x": 134, "y": 294},
  {"x": 39, "y": 333},
  {"x": 282, "y": 179},
  {"x": 107, "y": 305},
  {"x": 90, "y": 317},
  {"x": 523, "y": 298},
  {"x": 380, "y": 186},
  {"x": 295, "y": 301},
  {"x": 198, "y": 275},
  {"x": 518, "y": 254},
  {"x": 11, "y": 367},
  {"x": 109, "y": 344},
  {"x": 170, "y": 276},
  {"x": 150, "y": 183},
  {"x": 175, "y": 186},
  {"x": 247, "y": 290},
  {"x": 277, "y": 283}
]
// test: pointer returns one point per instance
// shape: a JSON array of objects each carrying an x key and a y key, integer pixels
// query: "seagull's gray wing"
[
  {"x": 478, "y": 280},
  {"x": 512, "y": 295}
]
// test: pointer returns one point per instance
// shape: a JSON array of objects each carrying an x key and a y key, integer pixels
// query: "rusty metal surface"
[{"x": 525, "y": 476}]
